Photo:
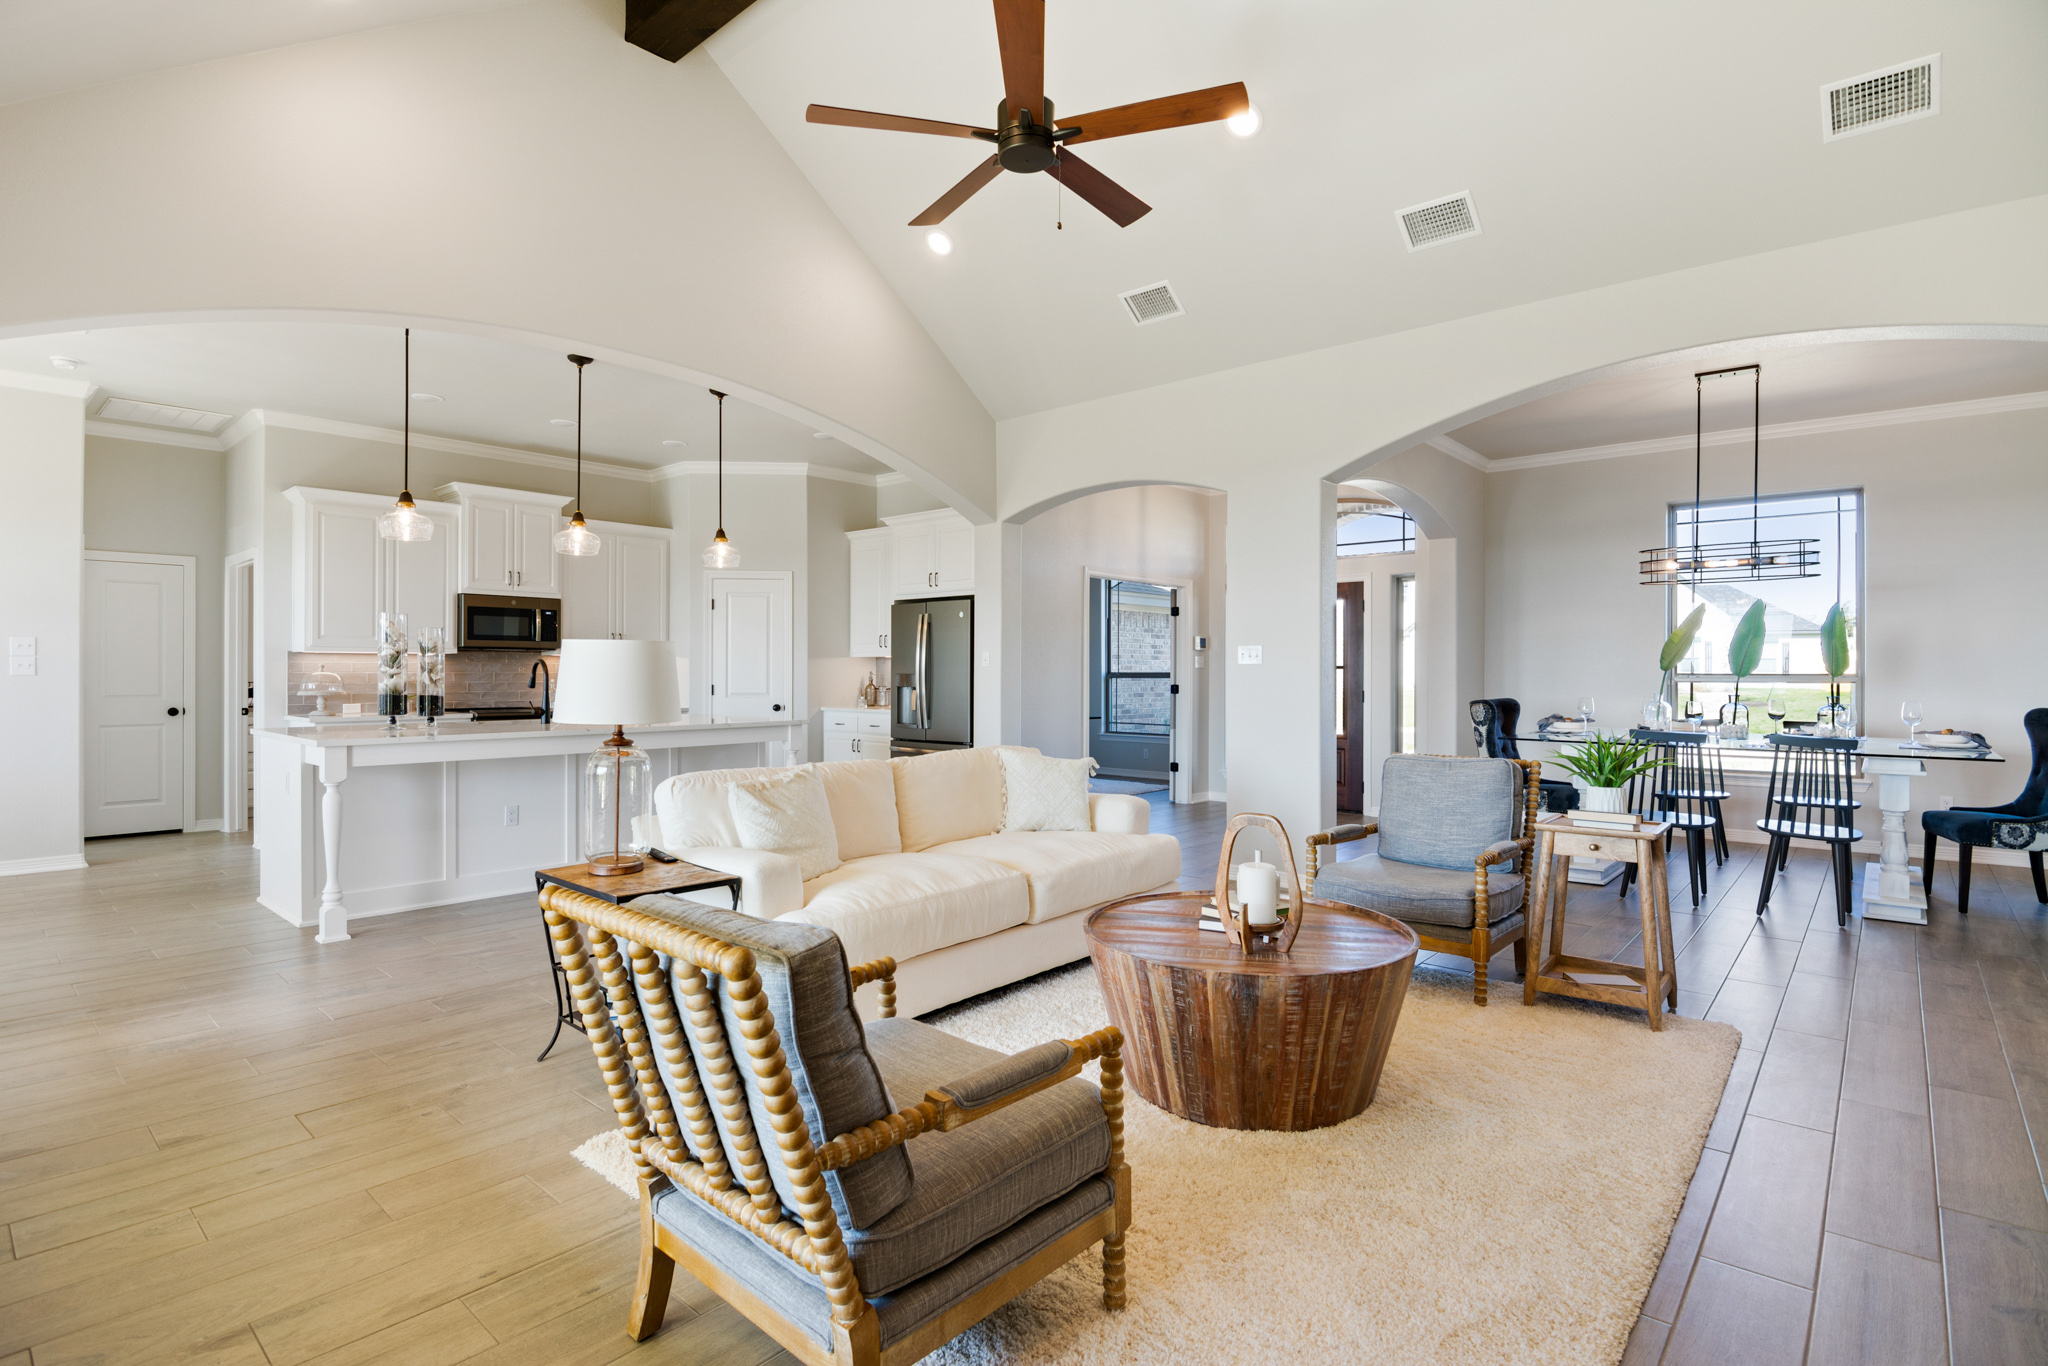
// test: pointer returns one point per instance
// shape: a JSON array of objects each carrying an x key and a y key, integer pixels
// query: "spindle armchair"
[{"x": 726, "y": 1043}]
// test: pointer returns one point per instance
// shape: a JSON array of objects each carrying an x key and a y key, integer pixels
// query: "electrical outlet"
[
  {"x": 1249, "y": 654},
  {"x": 1946, "y": 801},
  {"x": 21, "y": 664},
  {"x": 511, "y": 815}
]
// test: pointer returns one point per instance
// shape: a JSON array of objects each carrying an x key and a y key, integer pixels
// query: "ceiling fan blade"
[
  {"x": 1020, "y": 33},
  {"x": 894, "y": 123},
  {"x": 1118, "y": 204},
  {"x": 959, "y": 194},
  {"x": 1171, "y": 111}
]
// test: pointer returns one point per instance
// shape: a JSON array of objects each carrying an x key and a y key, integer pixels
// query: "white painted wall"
[
  {"x": 42, "y": 456},
  {"x": 171, "y": 500},
  {"x": 832, "y": 508}
]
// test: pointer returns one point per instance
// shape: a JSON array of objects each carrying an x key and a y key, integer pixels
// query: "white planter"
[{"x": 1613, "y": 800}]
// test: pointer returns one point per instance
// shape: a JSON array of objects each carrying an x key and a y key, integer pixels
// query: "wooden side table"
[
  {"x": 655, "y": 877},
  {"x": 1656, "y": 981}
]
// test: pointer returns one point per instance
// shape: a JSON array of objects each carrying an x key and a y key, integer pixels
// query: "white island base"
[{"x": 357, "y": 821}]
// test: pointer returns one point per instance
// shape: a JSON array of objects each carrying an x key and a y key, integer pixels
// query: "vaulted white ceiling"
[{"x": 1600, "y": 141}]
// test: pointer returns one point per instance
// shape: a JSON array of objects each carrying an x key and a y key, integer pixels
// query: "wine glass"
[
  {"x": 1910, "y": 713},
  {"x": 1586, "y": 712},
  {"x": 1774, "y": 706}
]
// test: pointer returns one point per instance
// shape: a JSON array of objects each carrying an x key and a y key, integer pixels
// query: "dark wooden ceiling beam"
[{"x": 672, "y": 28}]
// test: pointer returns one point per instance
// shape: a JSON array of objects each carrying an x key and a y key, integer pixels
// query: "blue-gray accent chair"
[
  {"x": 1455, "y": 835},
  {"x": 859, "y": 1193},
  {"x": 2021, "y": 823}
]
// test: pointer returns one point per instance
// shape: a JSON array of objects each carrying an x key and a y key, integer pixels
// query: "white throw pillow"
[
  {"x": 787, "y": 814},
  {"x": 1041, "y": 793}
]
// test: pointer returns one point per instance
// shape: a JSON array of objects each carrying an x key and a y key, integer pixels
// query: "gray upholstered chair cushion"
[
  {"x": 803, "y": 976},
  {"x": 1413, "y": 892},
  {"x": 972, "y": 1183},
  {"x": 1440, "y": 813}
]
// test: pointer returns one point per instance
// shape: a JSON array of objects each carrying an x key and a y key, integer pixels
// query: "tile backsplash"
[{"x": 476, "y": 678}]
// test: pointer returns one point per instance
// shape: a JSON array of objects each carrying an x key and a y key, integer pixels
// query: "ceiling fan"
[{"x": 1029, "y": 139}]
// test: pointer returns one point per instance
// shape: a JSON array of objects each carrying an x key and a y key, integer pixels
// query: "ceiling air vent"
[
  {"x": 1152, "y": 304},
  {"x": 1439, "y": 221},
  {"x": 163, "y": 415},
  {"x": 1897, "y": 94}
]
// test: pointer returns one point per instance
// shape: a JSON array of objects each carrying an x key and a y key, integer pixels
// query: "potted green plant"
[
  {"x": 1745, "y": 652},
  {"x": 1607, "y": 764}
]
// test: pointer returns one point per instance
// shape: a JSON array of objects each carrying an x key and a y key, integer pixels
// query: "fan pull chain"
[{"x": 1059, "y": 212}]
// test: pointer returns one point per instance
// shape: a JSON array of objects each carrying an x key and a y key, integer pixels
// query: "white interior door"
[
  {"x": 751, "y": 647},
  {"x": 137, "y": 713}
]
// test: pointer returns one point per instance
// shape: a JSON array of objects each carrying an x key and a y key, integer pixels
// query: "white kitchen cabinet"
[
  {"x": 508, "y": 540},
  {"x": 621, "y": 592},
  {"x": 344, "y": 573},
  {"x": 856, "y": 733},
  {"x": 870, "y": 591},
  {"x": 933, "y": 553}
]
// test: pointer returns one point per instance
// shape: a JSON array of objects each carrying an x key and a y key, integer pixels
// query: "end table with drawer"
[
  {"x": 1649, "y": 988},
  {"x": 655, "y": 877}
]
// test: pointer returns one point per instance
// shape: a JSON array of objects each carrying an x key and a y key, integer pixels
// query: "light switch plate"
[
  {"x": 21, "y": 664},
  {"x": 1249, "y": 654},
  {"x": 21, "y": 645}
]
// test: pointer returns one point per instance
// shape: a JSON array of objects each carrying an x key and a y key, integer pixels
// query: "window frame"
[
  {"x": 1110, "y": 676},
  {"x": 1401, "y": 545}
]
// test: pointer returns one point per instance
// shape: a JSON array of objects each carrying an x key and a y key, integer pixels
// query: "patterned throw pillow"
[
  {"x": 787, "y": 814},
  {"x": 1040, "y": 793}
]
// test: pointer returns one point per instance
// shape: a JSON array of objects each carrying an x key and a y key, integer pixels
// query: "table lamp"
[{"x": 616, "y": 683}]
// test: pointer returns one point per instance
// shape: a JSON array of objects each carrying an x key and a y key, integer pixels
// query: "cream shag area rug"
[{"x": 1506, "y": 1197}]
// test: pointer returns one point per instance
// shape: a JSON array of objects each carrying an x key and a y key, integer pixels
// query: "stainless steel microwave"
[{"x": 489, "y": 622}]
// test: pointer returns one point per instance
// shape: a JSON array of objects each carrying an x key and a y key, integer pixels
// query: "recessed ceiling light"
[
  {"x": 426, "y": 398},
  {"x": 65, "y": 362},
  {"x": 1245, "y": 124},
  {"x": 938, "y": 242},
  {"x": 563, "y": 421},
  {"x": 675, "y": 443}
]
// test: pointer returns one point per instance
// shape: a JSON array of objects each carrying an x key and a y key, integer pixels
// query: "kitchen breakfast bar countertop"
[{"x": 453, "y": 811}]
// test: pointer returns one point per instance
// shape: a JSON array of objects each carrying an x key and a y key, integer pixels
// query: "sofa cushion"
[
  {"x": 1070, "y": 870},
  {"x": 1415, "y": 892},
  {"x": 981, "y": 1178},
  {"x": 804, "y": 982},
  {"x": 786, "y": 813},
  {"x": 901, "y": 905},
  {"x": 863, "y": 801},
  {"x": 1042, "y": 793},
  {"x": 692, "y": 810},
  {"x": 951, "y": 796},
  {"x": 1441, "y": 813}
]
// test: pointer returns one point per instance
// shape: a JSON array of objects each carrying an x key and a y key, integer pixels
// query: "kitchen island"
[{"x": 356, "y": 820}]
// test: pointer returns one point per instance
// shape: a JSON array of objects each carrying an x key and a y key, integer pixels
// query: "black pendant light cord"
[
  {"x": 721, "y": 464},
  {"x": 405, "y": 478},
  {"x": 1756, "y": 457},
  {"x": 579, "y": 362}
]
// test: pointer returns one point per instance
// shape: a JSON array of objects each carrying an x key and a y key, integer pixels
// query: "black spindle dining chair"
[
  {"x": 1811, "y": 797},
  {"x": 1677, "y": 792}
]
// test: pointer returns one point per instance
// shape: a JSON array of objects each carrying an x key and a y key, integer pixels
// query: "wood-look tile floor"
[{"x": 222, "y": 1142}]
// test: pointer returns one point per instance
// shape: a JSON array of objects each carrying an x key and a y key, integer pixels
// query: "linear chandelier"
[{"x": 1747, "y": 561}]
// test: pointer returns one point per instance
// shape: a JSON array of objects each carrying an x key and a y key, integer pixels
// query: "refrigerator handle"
[{"x": 924, "y": 638}]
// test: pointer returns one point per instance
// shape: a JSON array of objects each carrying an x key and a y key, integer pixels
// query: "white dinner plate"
[{"x": 1948, "y": 742}]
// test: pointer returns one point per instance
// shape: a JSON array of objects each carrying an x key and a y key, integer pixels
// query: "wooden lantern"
[{"x": 1249, "y": 938}]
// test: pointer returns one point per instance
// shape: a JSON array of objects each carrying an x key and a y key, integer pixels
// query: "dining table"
[{"x": 1893, "y": 889}]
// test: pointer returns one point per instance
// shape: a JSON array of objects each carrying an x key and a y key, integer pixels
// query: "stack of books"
[{"x": 1617, "y": 820}]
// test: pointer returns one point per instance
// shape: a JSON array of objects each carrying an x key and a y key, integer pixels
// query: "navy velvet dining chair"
[
  {"x": 1494, "y": 720},
  {"x": 2020, "y": 824}
]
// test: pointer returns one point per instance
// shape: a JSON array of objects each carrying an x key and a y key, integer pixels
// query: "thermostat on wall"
[{"x": 1201, "y": 642}]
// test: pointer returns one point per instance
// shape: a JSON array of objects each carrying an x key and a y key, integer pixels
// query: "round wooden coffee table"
[{"x": 1260, "y": 1041}]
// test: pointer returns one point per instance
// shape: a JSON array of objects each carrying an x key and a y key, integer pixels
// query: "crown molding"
[
  {"x": 452, "y": 445},
  {"x": 789, "y": 469},
  {"x": 1457, "y": 450},
  {"x": 156, "y": 436},
  {"x": 47, "y": 384},
  {"x": 891, "y": 479},
  {"x": 241, "y": 429},
  {"x": 1890, "y": 417}
]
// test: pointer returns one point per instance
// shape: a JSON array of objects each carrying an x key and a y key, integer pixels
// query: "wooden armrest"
[
  {"x": 881, "y": 970},
  {"x": 939, "y": 1112},
  {"x": 1343, "y": 834},
  {"x": 1498, "y": 853}
]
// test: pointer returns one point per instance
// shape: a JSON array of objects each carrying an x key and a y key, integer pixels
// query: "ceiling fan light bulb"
[
  {"x": 1245, "y": 124},
  {"x": 940, "y": 244}
]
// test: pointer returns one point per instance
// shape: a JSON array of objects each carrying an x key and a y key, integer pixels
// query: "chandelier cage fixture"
[{"x": 1750, "y": 561}]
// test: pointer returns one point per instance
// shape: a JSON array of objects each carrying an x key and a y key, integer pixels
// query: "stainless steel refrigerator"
[{"x": 933, "y": 668}]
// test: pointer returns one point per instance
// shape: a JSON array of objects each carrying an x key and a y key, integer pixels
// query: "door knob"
[
  {"x": 245, "y": 711},
  {"x": 173, "y": 711},
  {"x": 778, "y": 706}
]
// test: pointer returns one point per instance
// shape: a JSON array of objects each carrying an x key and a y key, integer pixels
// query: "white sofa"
[{"x": 925, "y": 876}]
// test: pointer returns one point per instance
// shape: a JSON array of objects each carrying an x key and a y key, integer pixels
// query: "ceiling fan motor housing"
[{"x": 1022, "y": 145}]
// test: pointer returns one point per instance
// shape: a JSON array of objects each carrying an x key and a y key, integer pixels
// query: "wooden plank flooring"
[{"x": 220, "y": 1141}]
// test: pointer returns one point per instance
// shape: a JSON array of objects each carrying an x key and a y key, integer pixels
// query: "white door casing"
[
  {"x": 138, "y": 680},
  {"x": 1179, "y": 752},
  {"x": 751, "y": 645},
  {"x": 238, "y": 718}
]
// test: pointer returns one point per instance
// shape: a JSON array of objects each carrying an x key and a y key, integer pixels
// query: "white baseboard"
[
  {"x": 200, "y": 827},
  {"x": 372, "y": 902},
  {"x": 1209, "y": 796},
  {"x": 54, "y": 863}
]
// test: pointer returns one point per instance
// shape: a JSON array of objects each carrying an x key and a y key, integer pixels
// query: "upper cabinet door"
[
  {"x": 423, "y": 574},
  {"x": 868, "y": 595},
  {"x": 917, "y": 559},
  {"x": 340, "y": 579},
  {"x": 488, "y": 538},
  {"x": 587, "y": 590},
  {"x": 534, "y": 561},
  {"x": 640, "y": 576},
  {"x": 955, "y": 557}
]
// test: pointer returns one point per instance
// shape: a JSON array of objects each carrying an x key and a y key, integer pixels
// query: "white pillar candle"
[{"x": 1258, "y": 890}]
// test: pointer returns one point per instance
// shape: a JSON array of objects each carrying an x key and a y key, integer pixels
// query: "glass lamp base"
[{"x": 615, "y": 865}]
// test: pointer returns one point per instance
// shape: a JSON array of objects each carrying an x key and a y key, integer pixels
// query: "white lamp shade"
[{"x": 617, "y": 683}]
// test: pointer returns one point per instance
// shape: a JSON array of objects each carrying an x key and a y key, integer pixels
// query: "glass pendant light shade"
[
  {"x": 406, "y": 522},
  {"x": 576, "y": 538},
  {"x": 720, "y": 554}
]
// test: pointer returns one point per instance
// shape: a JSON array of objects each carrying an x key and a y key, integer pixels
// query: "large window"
[
  {"x": 1137, "y": 675},
  {"x": 1404, "y": 664},
  {"x": 1387, "y": 532},
  {"x": 1790, "y": 677}
]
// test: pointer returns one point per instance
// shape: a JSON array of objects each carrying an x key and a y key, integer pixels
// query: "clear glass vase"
[
  {"x": 433, "y": 685},
  {"x": 1657, "y": 713},
  {"x": 1735, "y": 721},
  {"x": 391, "y": 664},
  {"x": 1833, "y": 719},
  {"x": 618, "y": 786}
]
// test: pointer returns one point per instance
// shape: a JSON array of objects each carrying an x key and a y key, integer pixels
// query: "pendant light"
[
  {"x": 720, "y": 553},
  {"x": 576, "y": 538},
  {"x": 1747, "y": 561},
  {"x": 406, "y": 522}
]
